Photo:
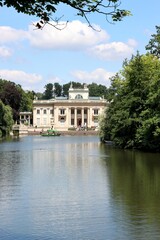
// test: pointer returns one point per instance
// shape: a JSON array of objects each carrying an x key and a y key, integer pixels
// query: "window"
[
  {"x": 62, "y": 111},
  {"x": 62, "y": 120},
  {"x": 78, "y": 111},
  {"x": 38, "y": 111},
  {"x": 72, "y": 111},
  {"x": 72, "y": 122},
  {"x": 95, "y": 111},
  {"x": 51, "y": 111},
  {"x": 78, "y": 96},
  {"x": 96, "y": 120},
  {"x": 44, "y": 111}
]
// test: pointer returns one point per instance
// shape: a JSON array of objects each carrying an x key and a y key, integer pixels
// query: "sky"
[{"x": 34, "y": 58}]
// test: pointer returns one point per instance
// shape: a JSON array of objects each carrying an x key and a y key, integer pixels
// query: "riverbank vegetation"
[
  {"x": 133, "y": 117},
  {"x": 6, "y": 119}
]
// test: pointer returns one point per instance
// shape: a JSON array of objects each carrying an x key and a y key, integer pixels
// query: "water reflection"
[
  {"x": 60, "y": 187},
  {"x": 77, "y": 188},
  {"x": 135, "y": 187}
]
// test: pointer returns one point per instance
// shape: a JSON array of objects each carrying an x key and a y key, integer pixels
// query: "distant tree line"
[{"x": 57, "y": 90}]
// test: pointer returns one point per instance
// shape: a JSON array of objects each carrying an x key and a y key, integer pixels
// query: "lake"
[{"x": 74, "y": 187}]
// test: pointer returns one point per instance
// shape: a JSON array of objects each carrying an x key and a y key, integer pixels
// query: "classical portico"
[{"x": 75, "y": 111}]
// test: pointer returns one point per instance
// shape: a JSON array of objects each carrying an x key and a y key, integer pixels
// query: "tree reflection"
[{"x": 135, "y": 182}]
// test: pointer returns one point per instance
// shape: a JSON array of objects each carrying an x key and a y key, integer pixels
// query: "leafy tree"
[
  {"x": 43, "y": 9},
  {"x": 14, "y": 96},
  {"x": 27, "y": 100},
  {"x": 11, "y": 95},
  {"x": 38, "y": 95},
  {"x": 98, "y": 90},
  {"x": 66, "y": 88},
  {"x": 6, "y": 119},
  {"x": 154, "y": 44},
  {"x": 133, "y": 117},
  {"x": 57, "y": 89},
  {"x": 77, "y": 85},
  {"x": 48, "y": 93}
]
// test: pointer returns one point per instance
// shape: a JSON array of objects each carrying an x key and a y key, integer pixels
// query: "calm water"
[{"x": 66, "y": 188}]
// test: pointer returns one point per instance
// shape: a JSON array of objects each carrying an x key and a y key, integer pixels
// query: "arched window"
[{"x": 78, "y": 96}]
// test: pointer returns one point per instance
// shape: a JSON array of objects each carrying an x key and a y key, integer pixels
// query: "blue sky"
[{"x": 33, "y": 58}]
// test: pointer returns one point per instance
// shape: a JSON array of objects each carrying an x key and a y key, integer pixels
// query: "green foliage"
[
  {"x": 14, "y": 96},
  {"x": 66, "y": 88},
  {"x": 98, "y": 90},
  {"x": 6, "y": 119},
  {"x": 43, "y": 9},
  {"x": 26, "y": 101},
  {"x": 10, "y": 94},
  {"x": 133, "y": 117},
  {"x": 48, "y": 94},
  {"x": 57, "y": 89},
  {"x": 154, "y": 44}
]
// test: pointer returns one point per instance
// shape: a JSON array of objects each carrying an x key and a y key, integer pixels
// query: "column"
[
  {"x": 88, "y": 117},
  {"x": 91, "y": 121},
  {"x": 75, "y": 117},
  {"x": 82, "y": 117},
  {"x": 29, "y": 120},
  {"x": 69, "y": 117}
]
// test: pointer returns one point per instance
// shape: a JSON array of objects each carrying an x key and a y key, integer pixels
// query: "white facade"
[{"x": 62, "y": 113}]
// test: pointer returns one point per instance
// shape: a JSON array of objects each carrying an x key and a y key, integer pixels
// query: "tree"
[
  {"x": 6, "y": 119},
  {"x": 66, "y": 88},
  {"x": 154, "y": 43},
  {"x": 26, "y": 100},
  {"x": 98, "y": 90},
  {"x": 133, "y": 117},
  {"x": 44, "y": 9},
  {"x": 11, "y": 95},
  {"x": 48, "y": 93},
  {"x": 57, "y": 89}
]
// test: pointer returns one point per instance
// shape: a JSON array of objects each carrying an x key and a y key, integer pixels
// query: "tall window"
[
  {"x": 62, "y": 111},
  {"x": 51, "y": 111},
  {"x": 95, "y": 111},
  {"x": 72, "y": 122},
  {"x": 78, "y": 111},
  {"x": 38, "y": 111},
  {"x": 72, "y": 111},
  {"x": 44, "y": 111}
]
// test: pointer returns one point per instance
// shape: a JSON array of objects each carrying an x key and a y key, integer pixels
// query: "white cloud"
[
  {"x": 112, "y": 51},
  {"x": 9, "y": 34},
  {"x": 99, "y": 76},
  {"x": 75, "y": 36},
  {"x": 28, "y": 81},
  {"x": 5, "y": 52}
]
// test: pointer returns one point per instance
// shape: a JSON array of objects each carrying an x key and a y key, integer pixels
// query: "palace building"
[{"x": 78, "y": 110}]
